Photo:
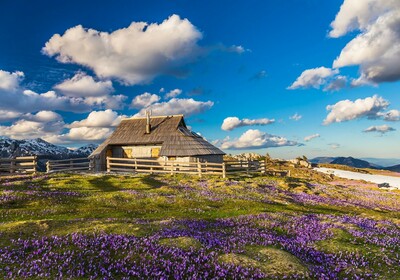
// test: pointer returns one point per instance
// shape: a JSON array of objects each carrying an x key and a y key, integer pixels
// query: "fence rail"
[
  {"x": 137, "y": 165},
  {"x": 68, "y": 165},
  {"x": 196, "y": 168},
  {"x": 155, "y": 166},
  {"x": 18, "y": 165}
]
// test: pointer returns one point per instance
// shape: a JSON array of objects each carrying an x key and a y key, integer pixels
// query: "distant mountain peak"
[
  {"x": 349, "y": 161},
  {"x": 11, "y": 147}
]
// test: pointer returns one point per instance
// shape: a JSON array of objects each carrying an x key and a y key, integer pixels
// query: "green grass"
[
  {"x": 270, "y": 260},
  {"x": 159, "y": 198},
  {"x": 117, "y": 204}
]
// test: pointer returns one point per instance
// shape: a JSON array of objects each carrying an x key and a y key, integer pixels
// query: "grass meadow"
[{"x": 308, "y": 226}]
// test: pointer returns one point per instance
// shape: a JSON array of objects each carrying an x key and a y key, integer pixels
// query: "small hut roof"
[{"x": 170, "y": 131}]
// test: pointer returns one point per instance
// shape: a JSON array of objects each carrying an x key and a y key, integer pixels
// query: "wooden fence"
[
  {"x": 136, "y": 165},
  {"x": 18, "y": 165},
  {"x": 172, "y": 167},
  {"x": 69, "y": 165},
  {"x": 196, "y": 168},
  {"x": 247, "y": 166}
]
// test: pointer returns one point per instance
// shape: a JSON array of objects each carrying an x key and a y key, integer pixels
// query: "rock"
[{"x": 384, "y": 185}]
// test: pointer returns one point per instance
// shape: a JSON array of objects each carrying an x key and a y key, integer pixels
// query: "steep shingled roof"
[{"x": 170, "y": 131}]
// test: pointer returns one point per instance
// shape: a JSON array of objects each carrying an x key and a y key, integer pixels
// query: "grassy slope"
[{"x": 63, "y": 204}]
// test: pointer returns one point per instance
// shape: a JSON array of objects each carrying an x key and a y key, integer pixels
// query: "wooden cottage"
[{"x": 163, "y": 138}]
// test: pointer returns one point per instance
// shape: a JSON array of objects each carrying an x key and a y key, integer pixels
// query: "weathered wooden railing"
[
  {"x": 18, "y": 165},
  {"x": 247, "y": 166},
  {"x": 171, "y": 167},
  {"x": 69, "y": 165},
  {"x": 197, "y": 168},
  {"x": 253, "y": 166}
]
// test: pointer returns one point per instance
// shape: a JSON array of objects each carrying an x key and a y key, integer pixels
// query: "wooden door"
[{"x": 109, "y": 153}]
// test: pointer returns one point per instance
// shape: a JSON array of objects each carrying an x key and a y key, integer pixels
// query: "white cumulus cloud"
[
  {"x": 82, "y": 85},
  {"x": 255, "y": 139},
  {"x": 80, "y": 135},
  {"x": 6, "y": 115},
  {"x": 392, "y": 115},
  {"x": 346, "y": 110},
  {"x": 115, "y": 101},
  {"x": 376, "y": 49},
  {"x": 144, "y": 100},
  {"x": 135, "y": 54},
  {"x": 231, "y": 123},
  {"x": 29, "y": 126},
  {"x": 314, "y": 78},
  {"x": 175, "y": 106},
  {"x": 30, "y": 101},
  {"x": 380, "y": 129},
  {"x": 173, "y": 93},
  {"x": 107, "y": 118},
  {"x": 10, "y": 81}
]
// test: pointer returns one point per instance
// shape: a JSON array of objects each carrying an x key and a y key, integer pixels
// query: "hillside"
[
  {"x": 322, "y": 160},
  {"x": 174, "y": 227},
  {"x": 353, "y": 162},
  {"x": 395, "y": 168},
  {"x": 348, "y": 161}
]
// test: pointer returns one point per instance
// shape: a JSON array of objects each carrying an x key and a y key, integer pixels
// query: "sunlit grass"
[{"x": 262, "y": 224}]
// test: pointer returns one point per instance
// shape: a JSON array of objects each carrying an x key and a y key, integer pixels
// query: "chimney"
[{"x": 148, "y": 125}]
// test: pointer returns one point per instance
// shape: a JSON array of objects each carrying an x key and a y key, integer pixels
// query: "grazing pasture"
[{"x": 307, "y": 226}]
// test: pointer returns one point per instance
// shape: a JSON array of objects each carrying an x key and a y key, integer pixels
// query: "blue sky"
[{"x": 266, "y": 69}]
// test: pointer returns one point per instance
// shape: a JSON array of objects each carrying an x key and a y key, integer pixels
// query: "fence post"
[
  {"x": 48, "y": 167},
  {"x": 12, "y": 165},
  {"x": 108, "y": 165},
  {"x": 91, "y": 164},
  {"x": 223, "y": 170},
  {"x": 34, "y": 164},
  {"x": 135, "y": 164},
  {"x": 265, "y": 166},
  {"x": 199, "y": 168},
  {"x": 247, "y": 167},
  {"x": 172, "y": 167},
  {"x": 288, "y": 173}
]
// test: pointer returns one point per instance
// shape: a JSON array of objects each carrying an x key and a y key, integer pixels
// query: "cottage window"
[
  {"x": 127, "y": 153},
  {"x": 155, "y": 152}
]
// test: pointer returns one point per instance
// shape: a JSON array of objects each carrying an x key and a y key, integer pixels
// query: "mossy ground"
[{"x": 269, "y": 260}]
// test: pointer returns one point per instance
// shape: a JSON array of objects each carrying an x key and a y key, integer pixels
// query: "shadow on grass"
[
  {"x": 151, "y": 181},
  {"x": 104, "y": 184},
  {"x": 114, "y": 183}
]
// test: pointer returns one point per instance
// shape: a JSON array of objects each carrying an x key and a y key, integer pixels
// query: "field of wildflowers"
[{"x": 163, "y": 227}]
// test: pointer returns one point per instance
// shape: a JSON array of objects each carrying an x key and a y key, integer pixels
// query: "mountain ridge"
[
  {"x": 42, "y": 149},
  {"x": 354, "y": 162},
  {"x": 13, "y": 148}
]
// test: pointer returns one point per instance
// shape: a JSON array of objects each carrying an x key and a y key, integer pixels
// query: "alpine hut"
[{"x": 163, "y": 138}]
